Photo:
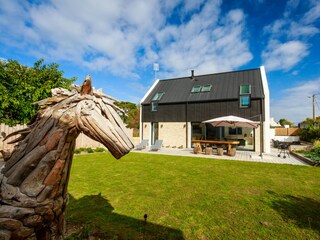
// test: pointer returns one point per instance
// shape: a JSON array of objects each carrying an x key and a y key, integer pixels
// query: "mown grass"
[{"x": 192, "y": 198}]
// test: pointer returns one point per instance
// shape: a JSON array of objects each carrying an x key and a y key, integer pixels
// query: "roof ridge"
[{"x": 209, "y": 74}]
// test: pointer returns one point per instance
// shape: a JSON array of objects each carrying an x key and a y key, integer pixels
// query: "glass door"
[{"x": 154, "y": 132}]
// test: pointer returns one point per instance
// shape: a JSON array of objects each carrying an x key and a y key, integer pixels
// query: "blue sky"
[{"x": 118, "y": 41}]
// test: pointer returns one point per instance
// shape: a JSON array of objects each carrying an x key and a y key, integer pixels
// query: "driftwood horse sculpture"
[{"x": 34, "y": 178}]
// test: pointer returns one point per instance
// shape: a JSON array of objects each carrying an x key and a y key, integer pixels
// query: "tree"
[
  {"x": 132, "y": 114},
  {"x": 283, "y": 122},
  {"x": 310, "y": 120},
  {"x": 310, "y": 134},
  {"x": 21, "y": 86},
  {"x": 134, "y": 118}
]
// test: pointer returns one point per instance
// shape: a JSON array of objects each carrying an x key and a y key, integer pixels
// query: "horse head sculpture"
[{"x": 34, "y": 178}]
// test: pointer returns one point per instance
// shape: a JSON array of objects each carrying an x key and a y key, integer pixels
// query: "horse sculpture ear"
[{"x": 86, "y": 87}]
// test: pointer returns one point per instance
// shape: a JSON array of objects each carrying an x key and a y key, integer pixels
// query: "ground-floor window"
[
  {"x": 245, "y": 136},
  {"x": 196, "y": 131},
  {"x": 214, "y": 133},
  {"x": 235, "y": 131}
]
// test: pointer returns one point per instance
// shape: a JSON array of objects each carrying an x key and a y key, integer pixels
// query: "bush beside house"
[{"x": 310, "y": 134}]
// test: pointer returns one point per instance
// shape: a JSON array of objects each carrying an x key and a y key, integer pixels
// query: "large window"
[
  {"x": 245, "y": 89},
  {"x": 158, "y": 96},
  {"x": 196, "y": 89},
  {"x": 154, "y": 106},
  {"x": 235, "y": 131},
  {"x": 245, "y": 101},
  {"x": 244, "y": 98},
  {"x": 206, "y": 88}
]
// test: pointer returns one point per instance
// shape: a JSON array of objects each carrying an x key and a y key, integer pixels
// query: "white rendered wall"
[
  {"x": 145, "y": 96},
  {"x": 266, "y": 123}
]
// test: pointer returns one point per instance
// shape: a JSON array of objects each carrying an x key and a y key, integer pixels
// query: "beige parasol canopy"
[{"x": 232, "y": 121}]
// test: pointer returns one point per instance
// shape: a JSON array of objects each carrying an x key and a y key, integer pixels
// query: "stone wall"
[
  {"x": 82, "y": 141},
  {"x": 146, "y": 131},
  {"x": 5, "y": 130},
  {"x": 173, "y": 134}
]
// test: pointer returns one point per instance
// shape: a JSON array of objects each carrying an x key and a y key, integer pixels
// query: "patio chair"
[
  {"x": 276, "y": 143},
  {"x": 157, "y": 145},
  {"x": 142, "y": 145}
]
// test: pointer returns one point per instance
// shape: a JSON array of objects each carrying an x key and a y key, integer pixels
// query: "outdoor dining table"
[{"x": 205, "y": 142}]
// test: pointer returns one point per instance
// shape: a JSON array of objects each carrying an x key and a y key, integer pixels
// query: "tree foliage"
[
  {"x": 132, "y": 114},
  {"x": 21, "y": 86},
  {"x": 310, "y": 134},
  {"x": 284, "y": 121},
  {"x": 134, "y": 118},
  {"x": 310, "y": 120}
]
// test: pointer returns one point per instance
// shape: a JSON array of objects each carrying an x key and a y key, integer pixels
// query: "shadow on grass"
[
  {"x": 302, "y": 211},
  {"x": 95, "y": 214}
]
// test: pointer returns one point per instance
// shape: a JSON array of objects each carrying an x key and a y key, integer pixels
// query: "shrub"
[
  {"x": 316, "y": 144},
  {"x": 89, "y": 150},
  {"x": 310, "y": 133},
  {"x": 99, "y": 149},
  {"x": 77, "y": 151},
  {"x": 136, "y": 132}
]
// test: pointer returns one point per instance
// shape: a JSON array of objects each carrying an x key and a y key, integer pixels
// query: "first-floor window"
[
  {"x": 245, "y": 89},
  {"x": 154, "y": 106},
  {"x": 244, "y": 101}
]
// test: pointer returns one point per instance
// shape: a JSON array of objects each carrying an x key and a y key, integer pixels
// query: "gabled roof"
[{"x": 224, "y": 86}]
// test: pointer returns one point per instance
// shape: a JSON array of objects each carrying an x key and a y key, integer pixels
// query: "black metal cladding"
[
  {"x": 165, "y": 113},
  {"x": 178, "y": 104},
  {"x": 200, "y": 111}
]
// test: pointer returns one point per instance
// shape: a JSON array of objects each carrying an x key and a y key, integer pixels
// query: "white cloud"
[
  {"x": 206, "y": 46},
  {"x": 295, "y": 73},
  {"x": 103, "y": 35},
  {"x": 296, "y": 104},
  {"x": 283, "y": 56},
  {"x": 297, "y": 30},
  {"x": 121, "y": 36},
  {"x": 290, "y": 6},
  {"x": 313, "y": 14},
  {"x": 288, "y": 41},
  {"x": 191, "y": 5}
]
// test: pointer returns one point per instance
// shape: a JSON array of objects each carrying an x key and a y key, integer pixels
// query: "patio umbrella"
[{"x": 232, "y": 121}]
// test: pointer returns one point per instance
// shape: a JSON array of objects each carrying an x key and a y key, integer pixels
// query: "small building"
[
  {"x": 274, "y": 124},
  {"x": 173, "y": 109},
  {"x": 305, "y": 124}
]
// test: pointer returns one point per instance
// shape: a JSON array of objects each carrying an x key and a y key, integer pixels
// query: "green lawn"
[{"x": 192, "y": 198}]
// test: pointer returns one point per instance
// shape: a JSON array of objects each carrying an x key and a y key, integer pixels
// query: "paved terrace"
[{"x": 241, "y": 155}]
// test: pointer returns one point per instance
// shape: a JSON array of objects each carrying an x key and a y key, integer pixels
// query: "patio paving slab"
[{"x": 241, "y": 155}]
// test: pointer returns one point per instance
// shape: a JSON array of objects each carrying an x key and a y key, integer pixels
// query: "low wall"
[
  {"x": 287, "y": 138},
  {"x": 5, "y": 130},
  {"x": 287, "y": 131},
  {"x": 135, "y": 140},
  {"x": 285, "y": 134},
  {"x": 85, "y": 142},
  {"x": 300, "y": 147},
  {"x": 82, "y": 141}
]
